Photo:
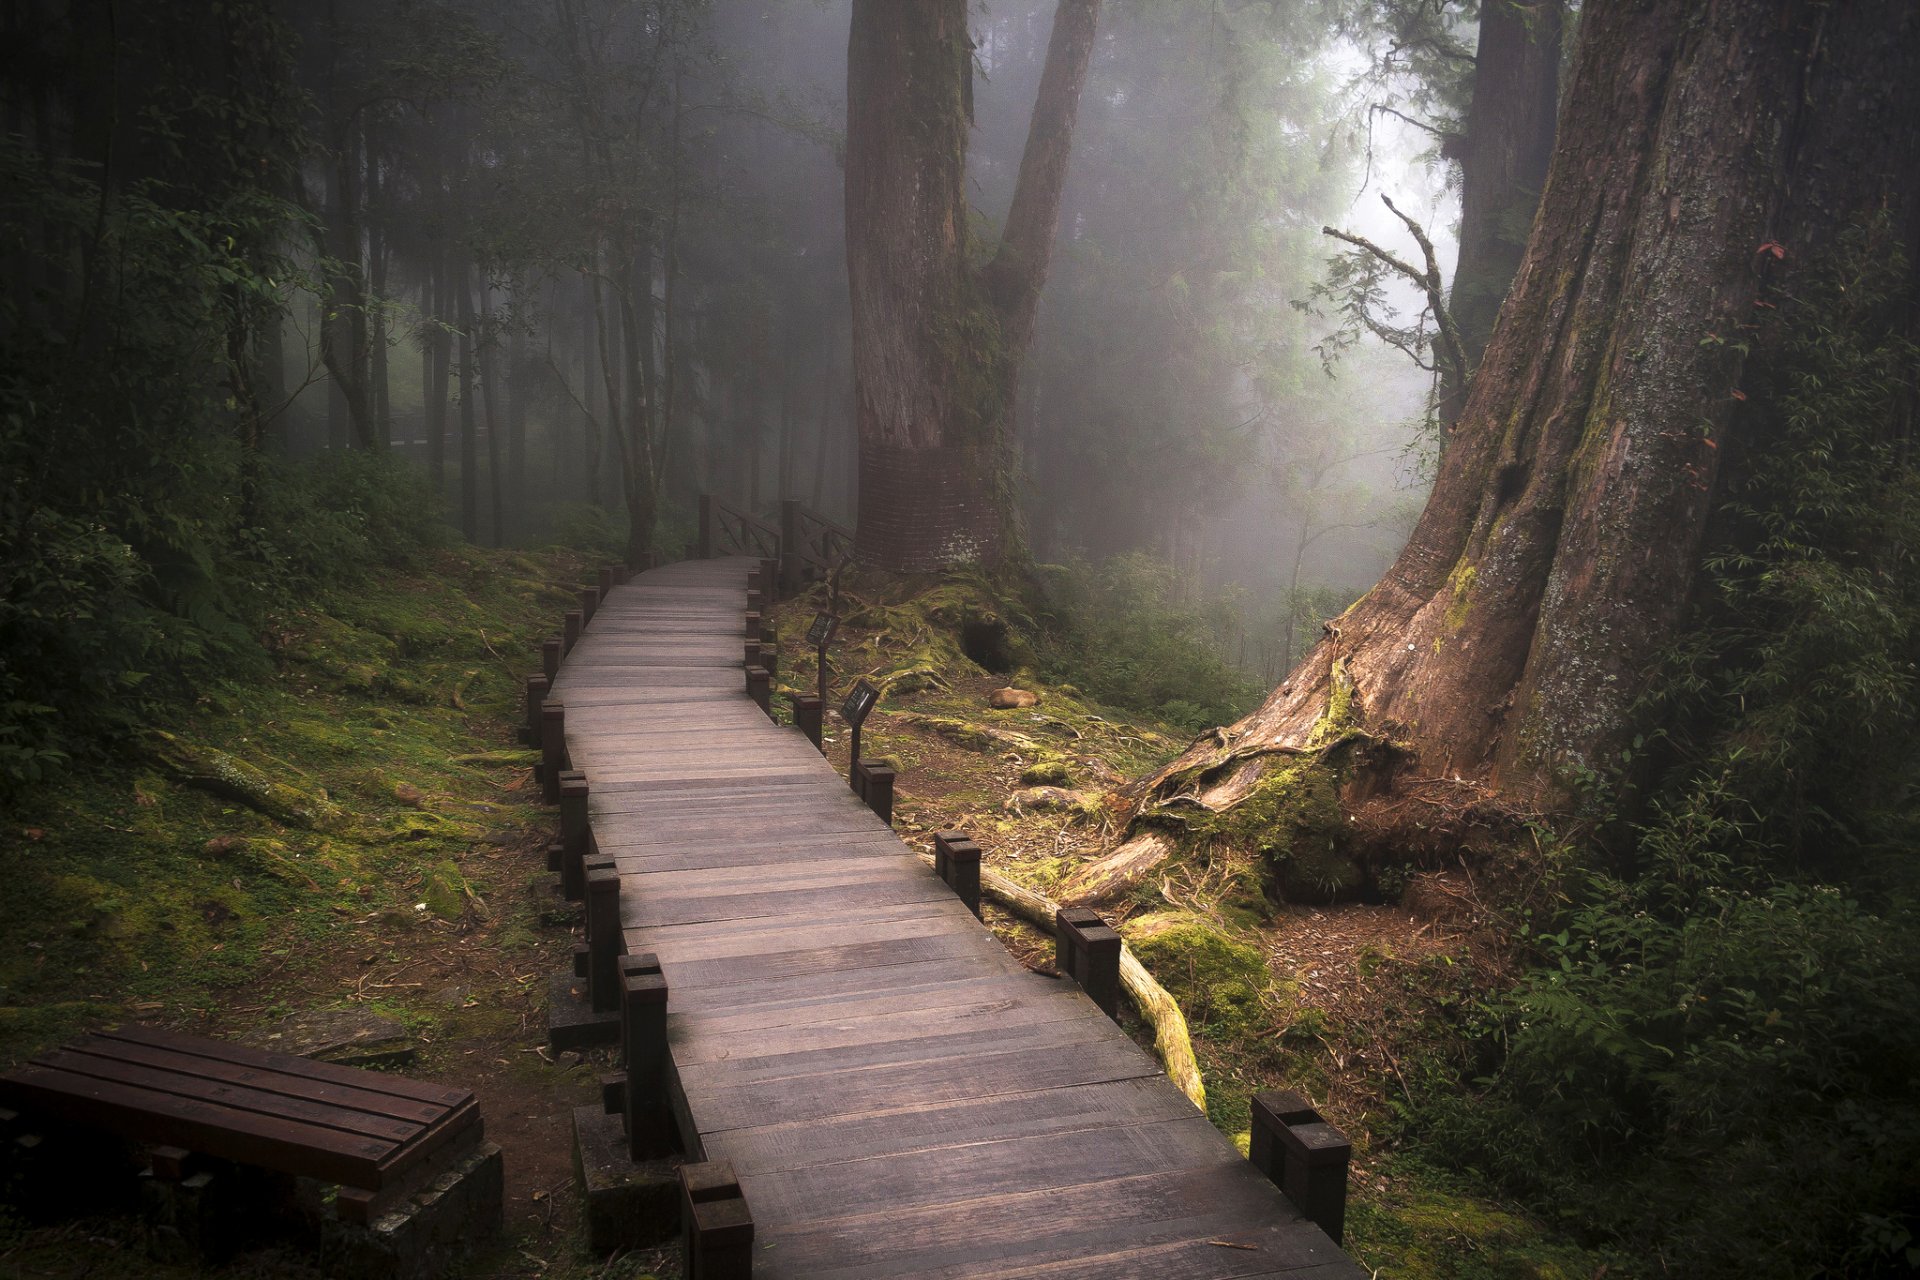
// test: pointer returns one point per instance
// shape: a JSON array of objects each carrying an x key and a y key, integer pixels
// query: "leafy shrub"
[
  {"x": 1717, "y": 1050},
  {"x": 1116, "y": 631}
]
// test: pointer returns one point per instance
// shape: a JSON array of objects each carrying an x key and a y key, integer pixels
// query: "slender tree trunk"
[
  {"x": 1705, "y": 154},
  {"x": 469, "y": 443},
  {"x": 937, "y": 347},
  {"x": 489, "y": 359},
  {"x": 379, "y": 402},
  {"x": 517, "y": 488},
  {"x": 434, "y": 359},
  {"x": 1503, "y": 166}
]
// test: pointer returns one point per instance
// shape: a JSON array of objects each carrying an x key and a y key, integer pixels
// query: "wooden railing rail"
[
  {"x": 726, "y": 530},
  {"x": 814, "y": 545}
]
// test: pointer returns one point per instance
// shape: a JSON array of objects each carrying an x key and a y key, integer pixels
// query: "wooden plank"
[
  {"x": 1094, "y": 1223},
  {"x": 990, "y": 1071},
  {"x": 764, "y": 968},
  {"x": 269, "y": 1142},
  {"x": 798, "y": 1144},
  {"x": 398, "y": 1086},
  {"x": 274, "y": 1081},
  {"x": 825, "y": 1068},
  {"x": 814, "y": 902},
  {"x": 345, "y": 1119},
  {"x": 798, "y": 1044}
]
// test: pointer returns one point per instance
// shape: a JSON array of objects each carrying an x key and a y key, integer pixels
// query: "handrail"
[
  {"x": 727, "y": 530},
  {"x": 815, "y": 546}
]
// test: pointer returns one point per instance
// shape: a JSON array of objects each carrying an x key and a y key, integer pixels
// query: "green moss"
[
  {"x": 1223, "y": 985},
  {"x": 1051, "y": 771},
  {"x": 1293, "y": 819},
  {"x": 1424, "y": 1226},
  {"x": 1460, "y": 603}
]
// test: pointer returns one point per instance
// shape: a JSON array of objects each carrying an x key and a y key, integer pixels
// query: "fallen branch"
[{"x": 1157, "y": 1007}]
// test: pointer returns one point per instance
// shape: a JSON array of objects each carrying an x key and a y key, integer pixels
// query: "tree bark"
[
  {"x": 434, "y": 359},
  {"x": 1503, "y": 166},
  {"x": 937, "y": 346},
  {"x": 1500, "y": 657}
]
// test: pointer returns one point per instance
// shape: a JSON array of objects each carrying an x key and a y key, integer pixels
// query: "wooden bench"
[{"x": 377, "y": 1136}]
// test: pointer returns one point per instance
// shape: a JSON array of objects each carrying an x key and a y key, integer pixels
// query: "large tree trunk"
[
  {"x": 1503, "y": 166},
  {"x": 936, "y": 348},
  {"x": 435, "y": 359},
  {"x": 469, "y": 443},
  {"x": 1499, "y": 658}
]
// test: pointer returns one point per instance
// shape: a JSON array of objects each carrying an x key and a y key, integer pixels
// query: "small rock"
[
  {"x": 221, "y": 846},
  {"x": 1043, "y": 799},
  {"x": 409, "y": 795},
  {"x": 1011, "y": 699}
]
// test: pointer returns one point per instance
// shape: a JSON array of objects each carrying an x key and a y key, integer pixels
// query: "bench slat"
[
  {"x": 258, "y": 1101},
  {"x": 276, "y": 1080},
  {"x": 286, "y": 1146},
  {"x": 397, "y": 1086}
]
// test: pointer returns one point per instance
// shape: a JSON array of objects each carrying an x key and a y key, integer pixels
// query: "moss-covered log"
[
  {"x": 1156, "y": 1005},
  {"x": 232, "y": 778}
]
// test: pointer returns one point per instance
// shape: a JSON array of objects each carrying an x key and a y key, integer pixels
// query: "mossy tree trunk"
[
  {"x": 937, "y": 344},
  {"x": 1705, "y": 154}
]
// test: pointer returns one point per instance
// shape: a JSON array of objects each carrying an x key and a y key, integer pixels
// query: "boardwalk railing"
[
  {"x": 812, "y": 546},
  {"x": 806, "y": 545},
  {"x": 726, "y": 530}
]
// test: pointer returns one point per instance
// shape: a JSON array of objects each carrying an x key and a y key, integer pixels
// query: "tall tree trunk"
[
  {"x": 1705, "y": 154},
  {"x": 1503, "y": 166},
  {"x": 489, "y": 358},
  {"x": 517, "y": 423},
  {"x": 434, "y": 359},
  {"x": 937, "y": 347},
  {"x": 379, "y": 400},
  {"x": 469, "y": 444}
]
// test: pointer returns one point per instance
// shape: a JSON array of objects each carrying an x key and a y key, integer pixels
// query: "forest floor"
[{"x": 418, "y": 895}]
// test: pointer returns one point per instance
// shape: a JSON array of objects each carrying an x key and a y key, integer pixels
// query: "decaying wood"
[
  {"x": 1157, "y": 1006},
  {"x": 232, "y": 778}
]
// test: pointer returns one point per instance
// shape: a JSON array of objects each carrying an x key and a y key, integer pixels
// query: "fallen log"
[{"x": 1157, "y": 1006}]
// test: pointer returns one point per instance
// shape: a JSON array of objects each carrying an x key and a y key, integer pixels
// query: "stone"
[
  {"x": 630, "y": 1204},
  {"x": 432, "y": 1229},
  {"x": 349, "y": 1037},
  {"x": 1011, "y": 699},
  {"x": 1051, "y": 799}
]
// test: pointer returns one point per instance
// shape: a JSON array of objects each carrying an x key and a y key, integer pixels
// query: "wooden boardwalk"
[{"x": 897, "y": 1095}]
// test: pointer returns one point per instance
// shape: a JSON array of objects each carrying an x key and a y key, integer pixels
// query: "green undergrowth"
[{"x": 347, "y": 779}]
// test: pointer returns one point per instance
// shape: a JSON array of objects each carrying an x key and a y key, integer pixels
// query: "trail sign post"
[
  {"x": 854, "y": 711},
  {"x": 820, "y": 635}
]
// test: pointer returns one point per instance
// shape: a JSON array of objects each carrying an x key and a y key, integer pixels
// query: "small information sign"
[
  {"x": 854, "y": 710},
  {"x": 820, "y": 634}
]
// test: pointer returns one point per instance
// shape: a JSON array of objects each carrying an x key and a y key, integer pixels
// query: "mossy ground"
[
  {"x": 1345, "y": 1002},
  {"x": 135, "y": 895}
]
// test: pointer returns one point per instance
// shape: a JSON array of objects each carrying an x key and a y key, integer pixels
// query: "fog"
[{"x": 1176, "y": 400}]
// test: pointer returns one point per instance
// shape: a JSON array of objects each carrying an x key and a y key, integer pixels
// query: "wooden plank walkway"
[{"x": 897, "y": 1095}]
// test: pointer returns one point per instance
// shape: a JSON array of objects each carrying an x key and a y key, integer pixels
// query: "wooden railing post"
[
  {"x": 1087, "y": 951},
  {"x": 643, "y": 1040},
  {"x": 956, "y": 859},
  {"x": 716, "y": 1227},
  {"x": 604, "y": 940},
  {"x": 760, "y": 688},
  {"x": 570, "y": 629},
  {"x": 606, "y": 581},
  {"x": 537, "y": 687},
  {"x": 752, "y": 629},
  {"x": 573, "y": 834},
  {"x": 553, "y": 748},
  {"x": 873, "y": 783},
  {"x": 704, "y": 551},
  {"x": 807, "y": 715},
  {"x": 551, "y": 651},
  {"x": 589, "y": 604},
  {"x": 1304, "y": 1156}
]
